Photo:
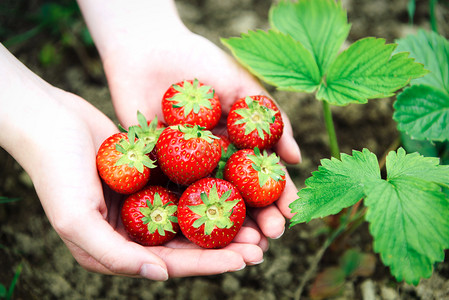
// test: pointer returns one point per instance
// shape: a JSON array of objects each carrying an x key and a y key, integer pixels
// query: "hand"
[
  {"x": 139, "y": 76},
  {"x": 54, "y": 135}
]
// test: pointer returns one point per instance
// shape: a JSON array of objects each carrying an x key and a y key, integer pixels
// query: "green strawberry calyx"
[
  {"x": 195, "y": 131},
  {"x": 147, "y": 133},
  {"x": 256, "y": 117},
  {"x": 192, "y": 96},
  {"x": 215, "y": 212},
  {"x": 159, "y": 217},
  {"x": 134, "y": 152},
  {"x": 267, "y": 166}
]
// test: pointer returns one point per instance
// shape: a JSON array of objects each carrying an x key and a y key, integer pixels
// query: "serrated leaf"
[
  {"x": 408, "y": 215},
  {"x": 277, "y": 59},
  {"x": 303, "y": 20},
  {"x": 432, "y": 50},
  {"x": 423, "y": 113},
  {"x": 336, "y": 185},
  {"x": 367, "y": 70},
  {"x": 425, "y": 148}
]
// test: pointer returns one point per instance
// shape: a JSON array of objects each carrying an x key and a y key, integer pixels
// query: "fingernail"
[
  {"x": 241, "y": 268},
  {"x": 279, "y": 236},
  {"x": 257, "y": 262},
  {"x": 153, "y": 272},
  {"x": 296, "y": 147}
]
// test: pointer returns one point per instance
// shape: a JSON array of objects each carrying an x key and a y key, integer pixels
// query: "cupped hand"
[
  {"x": 55, "y": 135},
  {"x": 139, "y": 75},
  {"x": 86, "y": 214}
]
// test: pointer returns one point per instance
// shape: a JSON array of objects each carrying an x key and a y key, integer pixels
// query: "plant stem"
[
  {"x": 317, "y": 258},
  {"x": 333, "y": 143},
  {"x": 355, "y": 218},
  {"x": 433, "y": 18}
]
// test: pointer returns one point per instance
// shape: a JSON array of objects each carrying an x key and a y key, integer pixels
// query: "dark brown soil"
[{"x": 49, "y": 270}]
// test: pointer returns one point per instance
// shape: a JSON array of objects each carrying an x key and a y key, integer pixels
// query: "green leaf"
[
  {"x": 423, "y": 113},
  {"x": 408, "y": 215},
  {"x": 356, "y": 263},
  {"x": 425, "y": 148},
  {"x": 432, "y": 50},
  {"x": 8, "y": 200},
  {"x": 336, "y": 185},
  {"x": 277, "y": 59},
  {"x": 303, "y": 20},
  {"x": 367, "y": 70},
  {"x": 328, "y": 284},
  {"x": 13, "y": 284},
  {"x": 3, "y": 291}
]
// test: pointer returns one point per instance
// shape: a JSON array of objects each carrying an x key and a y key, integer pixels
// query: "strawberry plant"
[
  {"x": 406, "y": 210},
  {"x": 422, "y": 110}
]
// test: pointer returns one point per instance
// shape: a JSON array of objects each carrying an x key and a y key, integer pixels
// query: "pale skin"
[{"x": 55, "y": 135}]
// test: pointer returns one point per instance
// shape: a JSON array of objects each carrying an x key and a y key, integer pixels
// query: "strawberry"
[
  {"x": 254, "y": 121},
  {"x": 260, "y": 178},
  {"x": 149, "y": 132},
  {"x": 150, "y": 216},
  {"x": 224, "y": 141},
  {"x": 191, "y": 102},
  {"x": 187, "y": 153},
  {"x": 227, "y": 149},
  {"x": 211, "y": 212},
  {"x": 123, "y": 163}
]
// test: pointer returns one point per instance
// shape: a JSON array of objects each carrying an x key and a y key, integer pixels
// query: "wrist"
[{"x": 119, "y": 24}]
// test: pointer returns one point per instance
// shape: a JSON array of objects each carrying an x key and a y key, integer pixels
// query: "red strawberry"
[
  {"x": 149, "y": 132},
  {"x": 187, "y": 153},
  {"x": 260, "y": 178},
  {"x": 123, "y": 163},
  {"x": 150, "y": 216},
  {"x": 211, "y": 212},
  {"x": 191, "y": 102},
  {"x": 224, "y": 141},
  {"x": 254, "y": 121}
]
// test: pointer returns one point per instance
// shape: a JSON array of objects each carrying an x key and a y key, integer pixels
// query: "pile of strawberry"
[{"x": 179, "y": 176}]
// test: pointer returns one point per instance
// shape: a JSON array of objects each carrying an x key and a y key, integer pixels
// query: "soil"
[{"x": 50, "y": 272}]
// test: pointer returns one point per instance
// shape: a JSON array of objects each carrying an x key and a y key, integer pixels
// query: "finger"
[
  {"x": 251, "y": 234},
  {"x": 110, "y": 252},
  {"x": 289, "y": 194},
  {"x": 270, "y": 220},
  {"x": 196, "y": 261},
  {"x": 287, "y": 148}
]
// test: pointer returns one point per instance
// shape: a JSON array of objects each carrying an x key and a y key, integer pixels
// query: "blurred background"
[{"x": 51, "y": 38}]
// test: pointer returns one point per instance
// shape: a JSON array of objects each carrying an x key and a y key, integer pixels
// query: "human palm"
[
  {"x": 86, "y": 215},
  {"x": 139, "y": 76}
]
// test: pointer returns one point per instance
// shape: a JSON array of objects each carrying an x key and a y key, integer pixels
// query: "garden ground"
[{"x": 50, "y": 272}]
